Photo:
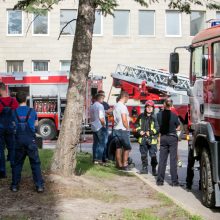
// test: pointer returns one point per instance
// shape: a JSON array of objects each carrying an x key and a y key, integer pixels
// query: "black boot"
[{"x": 154, "y": 171}]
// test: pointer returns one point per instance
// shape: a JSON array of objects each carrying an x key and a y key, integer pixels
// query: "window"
[
  {"x": 199, "y": 62},
  {"x": 65, "y": 17},
  {"x": 218, "y": 15},
  {"x": 65, "y": 65},
  {"x": 14, "y": 22},
  {"x": 40, "y": 65},
  {"x": 14, "y": 66},
  {"x": 40, "y": 24},
  {"x": 197, "y": 20},
  {"x": 98, "y": 23},
  {"x": 173, "y": 23},
  {"x": 146, "y": 22},
  {"x": 216, "y": 59},
  {"x": 121, "y": 22}
]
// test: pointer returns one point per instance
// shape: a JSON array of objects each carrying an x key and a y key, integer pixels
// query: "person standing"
[
  {"x": 147, "y": 129},
  {"x": 121, "y": 131},
  {"x": 25, "y": 145},
  {"x": 169, "y": 124},
  {"x": 7, "y": 127},
  {"x": 98, "y": 125}
]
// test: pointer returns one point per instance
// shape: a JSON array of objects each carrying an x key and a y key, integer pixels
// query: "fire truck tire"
[
  {"x": 207, "y": 186},
  {"x": 47, "y": 129}
]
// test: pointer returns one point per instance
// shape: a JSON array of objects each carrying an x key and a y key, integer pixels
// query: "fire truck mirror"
[{"x": 174, "y": 63}]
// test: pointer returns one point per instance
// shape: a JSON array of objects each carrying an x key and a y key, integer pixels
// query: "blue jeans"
[
  {"x": 99, "y": 144},
  {"x": 26, "y": 146}
]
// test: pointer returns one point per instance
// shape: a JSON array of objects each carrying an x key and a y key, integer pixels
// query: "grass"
[{"x": 144, "y": 214}]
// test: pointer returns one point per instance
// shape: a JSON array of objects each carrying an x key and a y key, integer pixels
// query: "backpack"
[
  {"x": 23, "y": 126},
  {"x": 6, "y": 116}
]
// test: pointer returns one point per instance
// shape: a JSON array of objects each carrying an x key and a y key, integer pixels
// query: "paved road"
[{"x": 188, "y": 200}]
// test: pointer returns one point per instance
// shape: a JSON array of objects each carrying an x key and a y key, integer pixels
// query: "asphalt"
[{"x": 189, "y": 200}]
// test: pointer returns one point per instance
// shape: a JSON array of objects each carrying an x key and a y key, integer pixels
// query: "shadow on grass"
[{"x": 85, "y": 165}]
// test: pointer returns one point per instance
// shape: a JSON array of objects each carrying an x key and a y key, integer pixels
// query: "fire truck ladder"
[{"x": 154, "y": 78}]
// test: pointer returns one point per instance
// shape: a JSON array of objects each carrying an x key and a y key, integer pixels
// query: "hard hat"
[{"x": 149, "y": 103}]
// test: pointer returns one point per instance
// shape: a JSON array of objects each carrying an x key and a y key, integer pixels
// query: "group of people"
[
  {"x": 17, "y": 133},
  {"x": 149, "y": 128}
]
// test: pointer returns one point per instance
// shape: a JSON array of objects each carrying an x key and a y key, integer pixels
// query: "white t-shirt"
[
  {"x": 96, "y": 113},
  {"x": 119, "y": 109}
]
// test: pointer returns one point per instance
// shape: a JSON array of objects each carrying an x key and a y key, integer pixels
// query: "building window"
[
  {"x": 218, "y": 15},
  {"x": 65, "y": 17},
  {"x": 197, "y": 20},
  {"x": 173, "y": 23},
  {"x": 146, "y": 22},
  {"x": 121, "y": 22},
  {"x": 65, "y": 65},
  {"x": 98, "y": 23},
  {"x": 40, "y": 24},
  {"x": 14, "y": 22},
  {"x": 40, "y": 65},
  {"x": 14, "y": 66}
]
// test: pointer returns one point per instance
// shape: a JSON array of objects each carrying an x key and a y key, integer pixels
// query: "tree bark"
[{"x": 64, "y": 160}]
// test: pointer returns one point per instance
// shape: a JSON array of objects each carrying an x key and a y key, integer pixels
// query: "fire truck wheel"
[
  {"x": 207, "y": 186},
  {"x": 47, "y": 129}
]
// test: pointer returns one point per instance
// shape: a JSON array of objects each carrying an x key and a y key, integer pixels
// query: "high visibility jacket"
[{"x": 147, "y": 123}]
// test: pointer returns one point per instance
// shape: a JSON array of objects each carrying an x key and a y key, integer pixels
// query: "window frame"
[
  {"x": 61, "y": 64},
  {"x": 48, "y": 26},
  {"x": 180, "y": 24},
  {"x": 48, "y": 64},
  {"x": 101, "y": 24},
  {"x": 22, "y": 26},
  {"x": 204, "y": 12},
  {"x": 129, "y": 24},
  {"x": 154, "y": 17},
  {"x": 7, "y": 62}
]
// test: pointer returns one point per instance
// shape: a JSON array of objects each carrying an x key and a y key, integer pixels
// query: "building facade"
[{"x": 135, "y": 36}]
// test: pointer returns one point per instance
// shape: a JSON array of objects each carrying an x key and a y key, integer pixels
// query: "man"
[
  {"x": 108, "y": 111},
  {"x": 7, "y": 128},
  {"x": 147, "y": 129},
  {"x": 169, "y": 124},
  {"x": 121, "y": 131},
  {"x": 26, "y": 121},
  {"x": 98, "y": 125}
]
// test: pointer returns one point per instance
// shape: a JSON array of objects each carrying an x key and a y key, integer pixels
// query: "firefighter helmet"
[{"x": 149, "y": 103}]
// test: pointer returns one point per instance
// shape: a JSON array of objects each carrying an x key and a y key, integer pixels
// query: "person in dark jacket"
[
  {"x": 147, "y": 129},
  {"x": 169, "y": 124}
]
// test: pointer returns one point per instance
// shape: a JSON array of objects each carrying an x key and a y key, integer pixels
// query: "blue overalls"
[
  {"x": 7, "y": 130},
  {"x": 25, "y": 145}
]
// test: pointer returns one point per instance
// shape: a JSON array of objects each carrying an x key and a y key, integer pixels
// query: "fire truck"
[
  {"x": 144, "y": 84},
  {"x": 47, "y": 95},
  {"x": 204, "y": 111}
]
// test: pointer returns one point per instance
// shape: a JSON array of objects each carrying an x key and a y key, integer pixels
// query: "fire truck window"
[
  {"x": 216, "y": 59},
  {"x": 205, "y": 61},
  {"x": 197, "y": 57}
]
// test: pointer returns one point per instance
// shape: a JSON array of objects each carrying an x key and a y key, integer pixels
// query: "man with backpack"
[
  {"x": 7, "y": 127},
  {"x": 26, "y": 121}
]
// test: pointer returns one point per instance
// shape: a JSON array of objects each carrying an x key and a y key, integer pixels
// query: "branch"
[{"x": 64, "y": 27}]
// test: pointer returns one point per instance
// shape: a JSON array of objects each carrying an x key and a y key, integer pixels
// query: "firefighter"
[
  {"x": 7, "y": 105},
  {"x": 147, "y": 129},
  {"x": 26, "y": 122}
]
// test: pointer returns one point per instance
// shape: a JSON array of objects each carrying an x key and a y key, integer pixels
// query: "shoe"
[
  {"x": 175, "y": 184},
  {"x": 144, "y": 170},
  {"x": 2, "y": 175},
  {"x": 160, "y": 183},
  {"x": 126, "y": 169},
  {"x": 154, "y": 171},
  {"x": 179, "y": 163},
  {"x": 188, "y": 187},
  {"x": 40, "y": 189},
  {"x": 14, "y": 188}
]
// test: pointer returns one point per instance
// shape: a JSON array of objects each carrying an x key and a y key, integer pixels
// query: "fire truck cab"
[
  {"x": 47, "y": 95},
  {"x": 204, "y": 111}
]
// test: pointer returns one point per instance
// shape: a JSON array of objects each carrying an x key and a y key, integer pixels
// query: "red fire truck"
[
  {"x": 204, "y": 111},
  {"x": 47, "y": 94}
]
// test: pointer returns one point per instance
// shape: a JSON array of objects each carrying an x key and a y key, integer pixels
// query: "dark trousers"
[
  {"x": 26, "y": 146},
  {"x": 6, "y": 139},
  {"x": 99, "y": 144},
  {"x": 152, "y": 150},
  {"x": 168, "y": 144},
  {"x": 190, "y": 166}
]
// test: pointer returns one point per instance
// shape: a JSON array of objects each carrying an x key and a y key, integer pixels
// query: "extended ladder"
[{"x": 154, "y": 78}]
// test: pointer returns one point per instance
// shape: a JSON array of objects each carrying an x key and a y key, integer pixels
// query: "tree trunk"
[{"x": 64, "y": 160}]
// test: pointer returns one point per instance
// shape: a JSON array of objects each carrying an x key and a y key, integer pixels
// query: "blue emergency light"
[{"x": 214, "y": 23}]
